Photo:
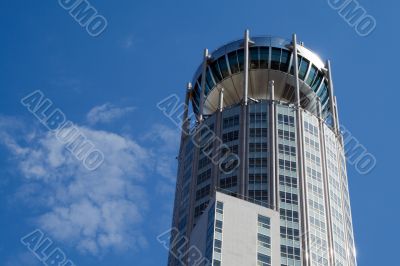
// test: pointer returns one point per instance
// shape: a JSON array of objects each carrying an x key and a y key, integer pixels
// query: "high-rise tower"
[{"x": 262, "y": 172}]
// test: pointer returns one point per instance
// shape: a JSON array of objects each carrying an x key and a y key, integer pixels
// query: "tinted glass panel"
[
  {"x": 317, "y": 82},
  {"x": 311, "y": 76},
  {"x": 254, "y": 62},
  {"x": 233, "y": 63},
  {"x": 223, "y": 66},
  {"x": 264, "y": 57},
  {"x": 285, "y": 58},
  {"x": 275, "y": 58},
  {"x": 215, "y": 70},
  {"x": 304, "y": 63},
  {"x": 240, "y": 54}
]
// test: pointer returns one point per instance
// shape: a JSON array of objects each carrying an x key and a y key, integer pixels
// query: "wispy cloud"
[
  {"x": 107, "y": 113},
  {"x": 94, "y": 211},
  {"x": 167, "y": 143}
]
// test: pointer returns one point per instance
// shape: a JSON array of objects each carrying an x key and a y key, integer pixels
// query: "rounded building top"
[{"x": 270, "y": 58}]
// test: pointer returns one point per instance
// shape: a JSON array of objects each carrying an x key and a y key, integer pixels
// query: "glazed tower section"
[{"x": 281, "y": 122}]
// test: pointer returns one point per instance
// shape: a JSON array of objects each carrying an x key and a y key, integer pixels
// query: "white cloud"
[
  {"x": 107, "y": 113},
  {"x": 166, "y": 141},
  {"x": 100, "y": 210}
]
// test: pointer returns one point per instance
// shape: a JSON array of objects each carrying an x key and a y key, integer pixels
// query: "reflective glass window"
[
  {"x": 233, "y": 63},
  {"x": 254, "y": 62},
  {"x": 317, "y": 81},
  {"x": 304, "y": 63},
  {"x": 209, "y": 82},
  {"x": 240, "y": 55},
  {"x": 223, "y": 66},
  {"x": 264, "y": 57},
  {"x": 311, "y": 76},
  {"x": 216, "y": 72},
  {"x": 275, "y": 58},
  {"x": 285, "y": 58}
]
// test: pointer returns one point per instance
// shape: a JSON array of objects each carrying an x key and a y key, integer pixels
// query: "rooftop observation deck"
[{"x": 270, "y": 58}]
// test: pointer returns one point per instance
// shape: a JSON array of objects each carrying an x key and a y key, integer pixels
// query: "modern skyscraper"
[{"x": 262, "y": 172}]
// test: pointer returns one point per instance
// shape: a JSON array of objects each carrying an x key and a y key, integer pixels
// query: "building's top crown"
[{"x": 270, "y": 58}]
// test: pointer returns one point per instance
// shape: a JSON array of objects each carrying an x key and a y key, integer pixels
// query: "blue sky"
[{"x": 109, "y": 87}]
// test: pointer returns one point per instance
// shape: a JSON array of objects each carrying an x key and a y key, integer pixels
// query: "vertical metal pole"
[
  {"x": 336, "y": 114},
  {"x": 246, "y": 67},
  {"x": 300, "y": 158},
  {"x": 272, "y": 90},
  {"x": 203, "y": 84},
  {"x": 185, "y": 123},
  {"x": 221, "y": 100},
  {"x": 216, "y": 172},
  {"x": 331, "y": 98},
  {"x": 274, "y": 188},
  {"x": 296, "y": 70},
  {"x": 243, "y": 121},
  {"x": 319, "y": 107}
]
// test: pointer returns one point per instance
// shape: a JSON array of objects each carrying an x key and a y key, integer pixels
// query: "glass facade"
[
  {"x": 288, "y": 186},
  {"x": 315, "y": 190},
  {"x": 258, "y": 169},
  {"x": 290, "y": 160}
]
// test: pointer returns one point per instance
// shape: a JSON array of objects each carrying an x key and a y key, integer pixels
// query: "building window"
[
  {"x": 289, "y": 197},
  {"x": 290, "y": 252},
  {"x": 257, "y": 178},
  {"x": 230, "y": 136},
  {"x": 258, "y": 132},
  {"x": 258, "y": 147},
  {"x": 228, "y": 182},
  {"x": 258, "y": 117},
  {"x": 264, "y": 57},
  {"x": 200, "y": 209},
  {"x": 201, "y": 193},
  {"x": 223, "y": 66},
  {"x": 218, "y": 226},
  {"x": 230, "y": 121},
  {"x": 288, "y": 181},
  {"x": 304, "y": 63},
  {"x": 203, "y": 177},
  {"x": 289, "y": 215},
  {"x": 263, "y": 260},
  {"x": 286, "y": 135},
  {"x": 287, "y": 165},
  {"x": 286, "y": 149},
  {"x": 220, "y": 207},
  {"x": 286, "y": 120},
  {"x": 264, "y": 222},
  {"x": 216, "y": 71},
  {"x": 233, "y": 62},
  {"x": 264, "y": 241},
  {"x": 258, "y": 162},
  {"x": 254, "y": 61},
  {"x": 204, "y": 162}
]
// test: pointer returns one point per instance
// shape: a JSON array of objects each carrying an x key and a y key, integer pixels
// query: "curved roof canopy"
[{"x": 270, "y": 58}]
